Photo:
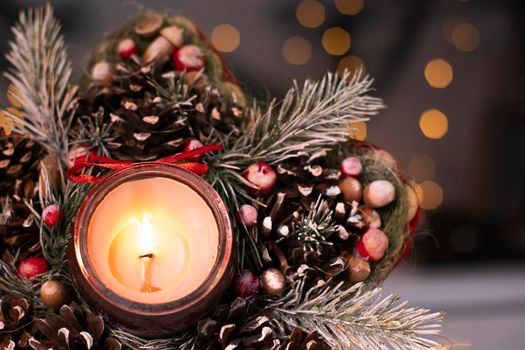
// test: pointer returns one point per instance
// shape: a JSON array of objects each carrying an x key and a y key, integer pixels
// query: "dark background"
[{"x": 471, "y": 248}]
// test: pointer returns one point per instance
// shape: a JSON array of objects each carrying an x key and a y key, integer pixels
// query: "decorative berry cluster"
[{"x": 326, "y": 221}]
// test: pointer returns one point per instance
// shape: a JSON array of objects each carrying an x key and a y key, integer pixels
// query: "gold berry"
[
  {"x": 358, "y": 269},
  {"x": 54, "y": 294},
  {"x": 351, "y": 189}
]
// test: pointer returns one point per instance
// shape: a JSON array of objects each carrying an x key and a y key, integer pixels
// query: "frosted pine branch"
[
  {"x": 357, "y": 318},
  {"x": 41, "y": 75},
  {"x": 310, "y": 118}
]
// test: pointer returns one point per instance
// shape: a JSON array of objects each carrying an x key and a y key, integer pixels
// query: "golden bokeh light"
[
  {"x": 422, "y": 167},
  {"x": 438, "y": 73},
  {"x": 225, "y": 38},
  {"x": 465, "y": 37},
  {"x": 349, "y": 7},
  {"x": 419, "y": 192},
  {"x": 310, "y": 13},
  {"x": 433, "y": 123},
  {"x": 297, "y": 50},
  {"x": 432, "y": 195},
  {"x": 336, "y": 41},
  {"x": 350, "y": 63},
  {"x": 358, "y": 131}
]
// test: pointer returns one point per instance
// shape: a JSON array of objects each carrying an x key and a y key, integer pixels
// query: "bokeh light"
[
  {"x": 432, "y": 195},
  {"x": 349, "y": 7},
  {"x": 358, "y": 131},
  {"x": 433, "y": 123},
  {"x": 465, "y": 37},
  {"x": 351, "y": 63},
  {"x": 422, "y": 167},
  {"x": 438, "y": 73},
  {"x": 336, "y": 41},
  {"x": 310, "y": 13},
  {"x": 225, "y": 37},
  {"x": 297, "y": 50}
]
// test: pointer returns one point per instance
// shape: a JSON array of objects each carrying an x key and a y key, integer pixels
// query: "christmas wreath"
[{"x": 318, "y": 218}]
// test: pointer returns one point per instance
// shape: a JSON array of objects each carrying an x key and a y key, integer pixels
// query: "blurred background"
[{"x": 452, "y": 75}]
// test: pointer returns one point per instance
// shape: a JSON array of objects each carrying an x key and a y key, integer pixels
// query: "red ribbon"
[{"x": 75, "y": 172}]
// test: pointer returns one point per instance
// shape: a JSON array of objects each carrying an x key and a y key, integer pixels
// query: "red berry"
[
  {"x": 246, "y": 284},
  {"x": 79, "y": 153},
  {"x": 51, "y": 214},
  {"x": 372, "y": 244},
  {"x": 188, "y": 58},
  {"x": 32, "y": 267},
  {"x": 261, "y": 175},
  {"x": 190, "y": 146},
  {"x": 351, "y": 166},
  {"x": 247, "y": 215},
  {"x": 127, "y": 48}
]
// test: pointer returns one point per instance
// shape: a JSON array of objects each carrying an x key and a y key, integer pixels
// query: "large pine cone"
[
  {"x": 150, "y": 115},
  {"x": 73, "y": 329},
  {"x": 16, "y": 326},
  {"x": 145, "y": 108}
]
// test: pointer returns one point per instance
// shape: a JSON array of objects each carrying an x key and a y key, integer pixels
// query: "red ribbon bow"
[{"x": 75, "y": 172}]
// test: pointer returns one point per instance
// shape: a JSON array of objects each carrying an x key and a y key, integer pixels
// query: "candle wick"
[{"x": 146, "y": 260}]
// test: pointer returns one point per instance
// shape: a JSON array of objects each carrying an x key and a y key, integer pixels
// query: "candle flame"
[{"x": 145, "y": 235}]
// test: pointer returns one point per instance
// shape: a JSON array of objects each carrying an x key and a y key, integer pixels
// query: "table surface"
[{"x": 484, "y": 304}]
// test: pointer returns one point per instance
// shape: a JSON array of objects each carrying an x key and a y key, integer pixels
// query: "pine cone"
[
  {"x": 16, "y": 326},
  {"x": 149, "y": 116},
  {"x": 301, "y": 340},
  {"x": 73, "y": 329},
  {"x": 19, "y": 159},
  {"x": 303, "y": 183},
  {"x": 232, "y": 327},
  {"x": 17, "y": 228},
  {"x": 19, "y": 171}
]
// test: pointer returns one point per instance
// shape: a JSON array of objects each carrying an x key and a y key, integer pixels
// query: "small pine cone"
[
  {"x": 73, "y": 329},
  {"x": 301, "y": 340},
  {"x": 19, "y": 160},
  {"x": 232, "y": 327},
  {"x": 17, "y": 226},
  {"x": 19, "y": 171},
  {"x": 16, "y": 327}
]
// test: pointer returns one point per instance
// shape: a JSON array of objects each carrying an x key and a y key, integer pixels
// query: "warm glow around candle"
[{"x": 153, "y": 240}]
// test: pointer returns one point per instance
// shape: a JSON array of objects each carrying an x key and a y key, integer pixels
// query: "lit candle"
[
  {"x": 152, "y": 241},
  {"x": 146, "y": 243}
]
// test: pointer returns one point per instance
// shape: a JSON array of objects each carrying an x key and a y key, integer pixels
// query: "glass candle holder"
[{"x": 152, "y": 248}]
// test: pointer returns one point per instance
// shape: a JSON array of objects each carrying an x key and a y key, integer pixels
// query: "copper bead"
[
  {"x": 351, "y": 189},
  {"x": 54, "y": 294},
  {"x": 358, "y": 269}
]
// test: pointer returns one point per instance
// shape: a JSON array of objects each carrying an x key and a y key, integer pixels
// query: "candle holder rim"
[{"x": 135, "y": 172}]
